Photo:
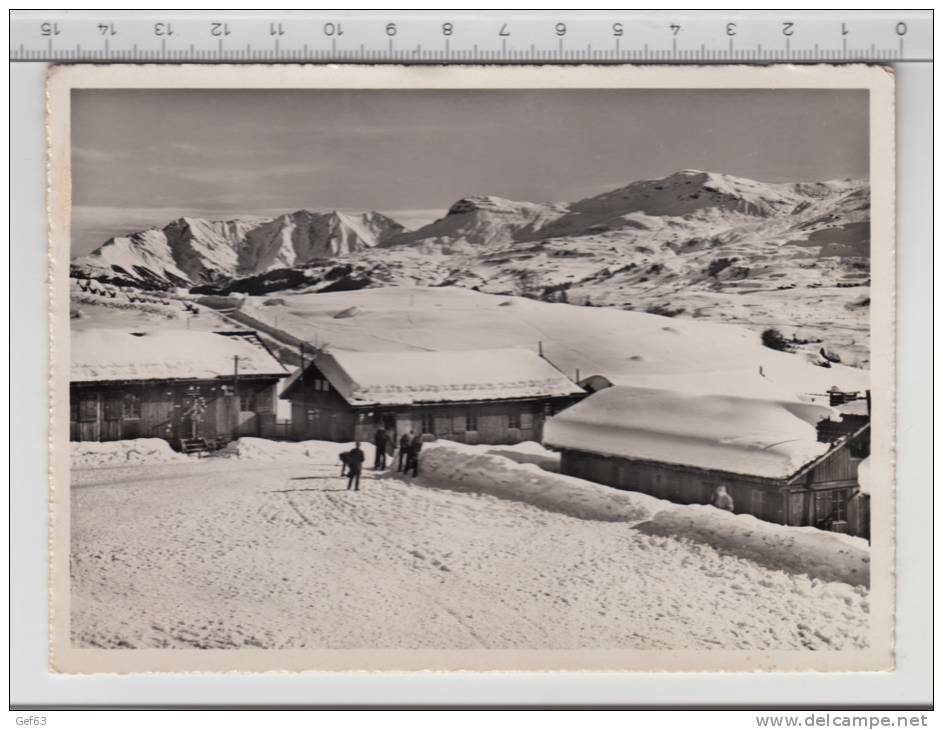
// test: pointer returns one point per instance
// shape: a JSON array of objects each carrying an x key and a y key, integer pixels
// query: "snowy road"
[{"x": 234, "y": 553}]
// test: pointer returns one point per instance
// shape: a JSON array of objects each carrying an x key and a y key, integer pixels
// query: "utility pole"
[{"x": 235, "y": 380}]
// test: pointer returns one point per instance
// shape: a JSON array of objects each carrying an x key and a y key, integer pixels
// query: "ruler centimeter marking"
[{"x": 707, "y": 37}]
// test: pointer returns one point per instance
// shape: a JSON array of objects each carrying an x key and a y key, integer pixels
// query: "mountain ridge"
[
  {"x": 191, "y": 251},
  {"x": 794, "y": 256}
]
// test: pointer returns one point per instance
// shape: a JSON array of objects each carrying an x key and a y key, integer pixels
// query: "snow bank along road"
[{"x": 242, "y": 552}]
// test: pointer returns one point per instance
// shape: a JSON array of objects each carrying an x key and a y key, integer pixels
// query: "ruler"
[{"x": 442, "y": 36}]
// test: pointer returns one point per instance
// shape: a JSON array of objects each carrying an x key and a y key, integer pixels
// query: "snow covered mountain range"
[
  {"x": 694, "y": 244},
  {"x": 191, "y": 251}
]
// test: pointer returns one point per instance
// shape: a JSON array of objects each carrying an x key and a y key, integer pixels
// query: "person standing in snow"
[
  {"x": 404, "y": 443},
  {"x": 412, "y": 462},
  {"x": 722, "y": 500},
  {"x": 355, "y": 459},
  {"x": 381, "y": 439}
]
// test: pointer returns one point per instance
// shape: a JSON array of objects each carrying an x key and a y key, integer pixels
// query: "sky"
[{"x": 145, "y": 157}]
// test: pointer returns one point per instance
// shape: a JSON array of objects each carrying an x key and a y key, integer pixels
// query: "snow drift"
[
  {"x": 92, "y": 454},
  {"x": 797, "y": 550},
  {"x": 503, "y": 477},
  {"x": 256, "y": 449}
]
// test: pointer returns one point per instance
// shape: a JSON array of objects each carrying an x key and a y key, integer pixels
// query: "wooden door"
[
  {"x": 797, "y": 508},
  {"x": 111, "y": 419},
  {"x": 335, "y": 428},
  {"x": 227, "y": 413},
  {"x": 823, "y": 508},
  {"x": 89, "y": 417}
]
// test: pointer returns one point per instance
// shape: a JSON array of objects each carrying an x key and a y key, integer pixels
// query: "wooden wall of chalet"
[
  {"x": 840, "y": 469},
  {"x": 684, "y": 485},
  {"x": 827, "y": 494},
  {"x": 111, "y": 412},
  {"x": 320, "y": 412},
  {"x": 502, "y": 422},
  {"x": 321, "y": 423},
  {"x": 493, "y": 420}
]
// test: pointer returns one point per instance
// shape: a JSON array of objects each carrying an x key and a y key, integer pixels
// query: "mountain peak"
[
  {"x": 196, "y": 251},
  {"x": 475, "y": 203}
]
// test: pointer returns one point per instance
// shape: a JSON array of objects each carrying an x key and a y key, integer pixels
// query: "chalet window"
[
  {"x": 514, "y": 420},
  {"x": 527, "y": 420},
  {"x": 247, "y": 400},
  {"x": 88, "y": 408},
  {"x": 471, "y": 422},
  {"x": 839, "y": 506},
  {"x": 428, "y": 423},
  {"x": 131, "y": 406},
  {"x": 443, "y": 425},
  {"x": 112, "y": 408}
]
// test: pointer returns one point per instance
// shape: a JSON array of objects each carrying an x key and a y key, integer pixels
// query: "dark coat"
[
  {"x": 355, "y": 458},
  {"x": 415, "y": 446},
  {"x": 381, "y": 439},
  {"x": 404, "y": 441}
]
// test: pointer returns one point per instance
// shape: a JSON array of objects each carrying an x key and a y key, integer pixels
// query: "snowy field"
[
  {"x": 632, "y": 348},
  {"x": 263, "y": 547}
]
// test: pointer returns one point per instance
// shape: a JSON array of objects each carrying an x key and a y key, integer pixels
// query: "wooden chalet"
[
  {"x": 479, "y": 396},
  {"x": 172, "y": 384},
  {"x": 680, "y": 447}
]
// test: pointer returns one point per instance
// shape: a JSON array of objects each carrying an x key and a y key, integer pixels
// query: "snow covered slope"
[
  {"x": 193, "y": 250},
  {"x": 794, "y": 256},
  {"x": 632, "y": 348},
  {"x": 694, "y": 244}
]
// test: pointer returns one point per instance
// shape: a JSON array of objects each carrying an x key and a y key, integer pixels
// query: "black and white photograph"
[{"x": 472, "y": 369}]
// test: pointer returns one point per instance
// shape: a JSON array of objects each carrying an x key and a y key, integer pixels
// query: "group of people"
[{"x": 410, "y": 444}]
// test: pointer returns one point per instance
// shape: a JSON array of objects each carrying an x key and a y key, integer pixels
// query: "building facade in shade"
[
  {"x": 173, "y": 385},
  {"x": 767, "y": 454},
  {"x": 470, "y": 396}
]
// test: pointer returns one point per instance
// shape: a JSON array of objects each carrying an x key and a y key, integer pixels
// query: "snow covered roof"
[
  {"x": 410, "y": 377},
  {"x": 100, "y": 355},
  {"x": 750, "y": 436}
]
